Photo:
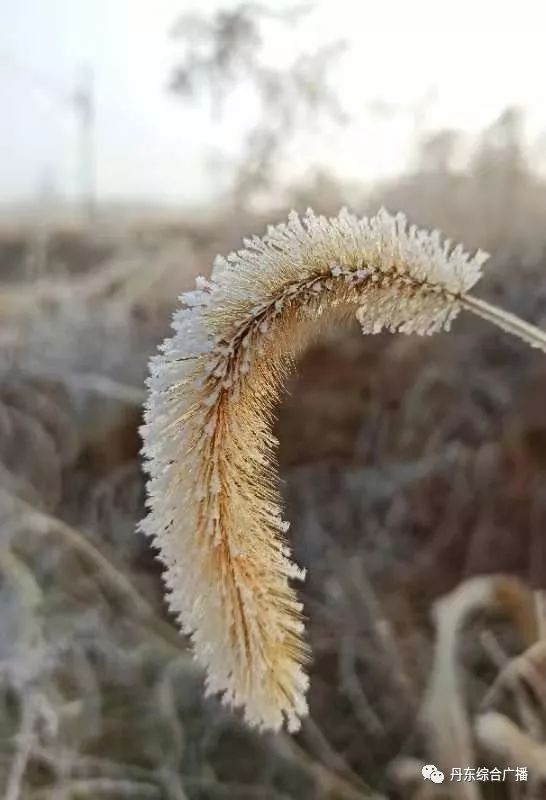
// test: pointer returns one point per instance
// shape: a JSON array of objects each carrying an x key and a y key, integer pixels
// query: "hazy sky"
[{"x": 472, "y": 57}]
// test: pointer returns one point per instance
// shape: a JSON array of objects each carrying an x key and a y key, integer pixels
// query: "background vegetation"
[{"x": 409, "y": 467}]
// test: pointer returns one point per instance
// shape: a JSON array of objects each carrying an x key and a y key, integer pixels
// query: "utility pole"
[
  {"x": 84, "y": 105},
  {"x": 81, "y": 101}
]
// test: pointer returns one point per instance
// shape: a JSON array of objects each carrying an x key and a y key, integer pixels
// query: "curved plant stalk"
[
  {"x": 213, "y": 498},
  {"x": 443, "y": 715},
  {"x": 502, "y": 737}
]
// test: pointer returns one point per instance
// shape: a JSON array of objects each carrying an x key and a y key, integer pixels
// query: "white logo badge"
[{"x": 432, "y": 773}]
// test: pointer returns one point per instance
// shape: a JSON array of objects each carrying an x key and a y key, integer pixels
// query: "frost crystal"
[{"x": 207, "y": 439}]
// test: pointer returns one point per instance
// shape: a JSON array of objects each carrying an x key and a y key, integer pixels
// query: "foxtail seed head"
[{"x": 213, "y": 497}]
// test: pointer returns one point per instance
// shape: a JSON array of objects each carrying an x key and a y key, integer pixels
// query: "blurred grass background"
[{"x": 408, "y": 465}]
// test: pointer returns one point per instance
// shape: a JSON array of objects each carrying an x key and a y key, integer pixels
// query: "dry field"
[{"x": 409, "y": 468}]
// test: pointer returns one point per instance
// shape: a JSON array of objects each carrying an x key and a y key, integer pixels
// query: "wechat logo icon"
[{"x": 431, "y": 773}]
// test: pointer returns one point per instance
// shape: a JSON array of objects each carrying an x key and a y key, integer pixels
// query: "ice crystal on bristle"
[{"x": 214, "y": 506}]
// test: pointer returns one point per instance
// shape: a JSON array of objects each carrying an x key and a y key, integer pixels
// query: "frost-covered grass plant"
[{"x": 213, "y": 497}]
